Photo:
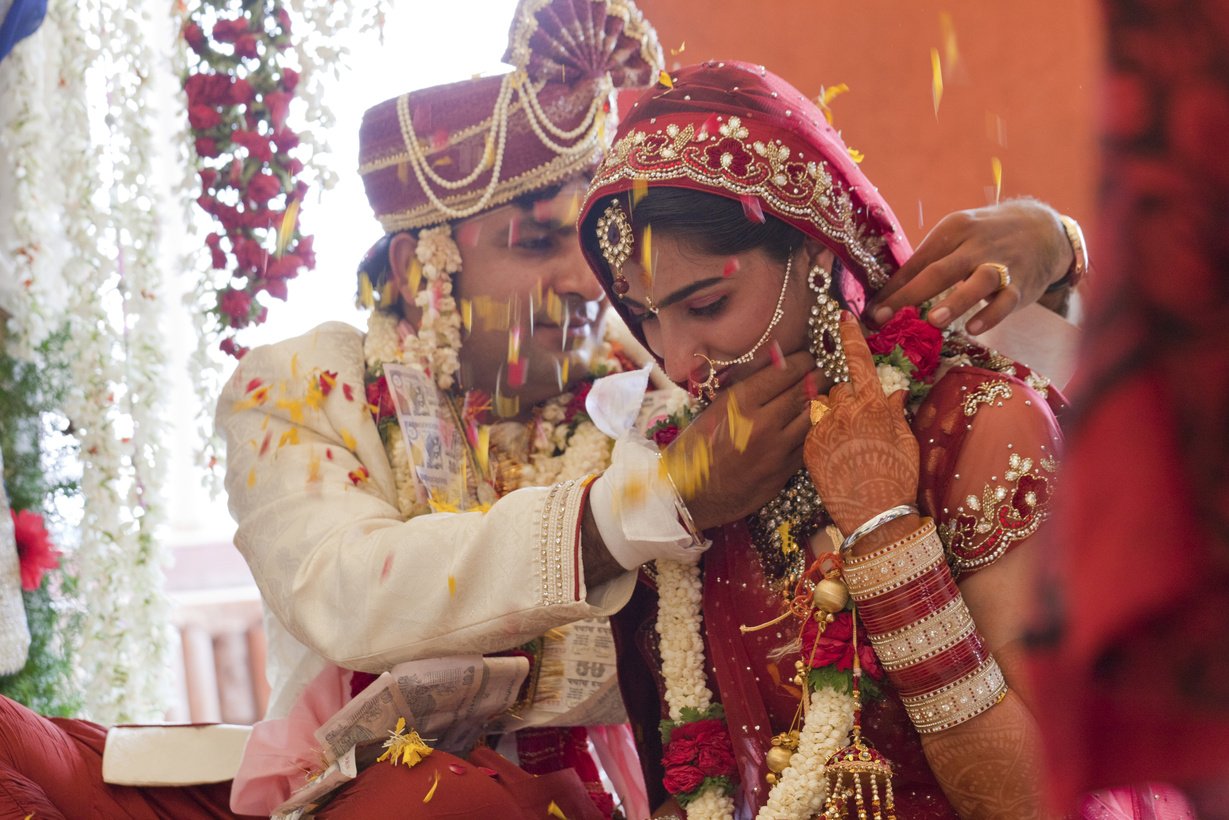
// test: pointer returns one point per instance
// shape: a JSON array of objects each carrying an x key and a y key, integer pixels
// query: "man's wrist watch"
[{"x": 1079, "y": 266}]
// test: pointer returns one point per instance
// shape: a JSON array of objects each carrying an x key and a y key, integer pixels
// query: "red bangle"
[
  {"x": 907, "y": 604},
  {"x": 935, "y": 673}
]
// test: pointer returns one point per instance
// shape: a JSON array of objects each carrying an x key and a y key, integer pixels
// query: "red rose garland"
[
  {"x": 239, "y": 91},
  {"x": 697, "y": 751}
]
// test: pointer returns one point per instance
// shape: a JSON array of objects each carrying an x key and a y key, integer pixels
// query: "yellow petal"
[
  {"x": 553, "y": 809},
  {"x": 431, "y": 791},
  {"x": 452, "y": 586},
  {"x": 740, "y": 425},
  {"x": 855, "y": 154},
  {"x": 252, "y": 477},
  {"x": 289, "y": 219},
  {"x": 664, "y": 79},
  {"x": 413, "y": 276},
  {"x": 674, "y": 52},
  {"x": 996, "y": 168},
  {"x": 482, "y": 449},
  {"x": 936, "y": 79}
]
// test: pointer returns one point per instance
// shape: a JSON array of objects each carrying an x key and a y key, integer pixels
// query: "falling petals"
[
  {"x": 286, "y": 232},
  {"x": 740, "y": 425},
  {"x": 664, "y": 80},
  {"x": 731, "y": 267},
  {"x": 358, "y": 476},
  {"x": 778, "y": 358},
  {"x": 452, "y": 586},
  {"x": 431, "y": 791},
  {"x": 752, "y": 208},
  {"x": 996, "y": 169},
  {"x": 936, "y": 79},
  {"x": 553, "y": 809}
]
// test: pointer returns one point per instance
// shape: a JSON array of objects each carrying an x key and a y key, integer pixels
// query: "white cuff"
[{"x": 637, "y": 510}]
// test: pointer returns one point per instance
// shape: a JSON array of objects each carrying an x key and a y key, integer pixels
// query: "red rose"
[
  {"x": 217, "y": 257},
  {"x": 249, "y": 254},
  {"x": 285, "y": 139},
  {"x": 236, "y": 304},
  {"x": 665, "y": 434},
  {"x": 35, "y": 551},
  {"x": 241, "y": 92},
  {"x": 716, "y": 759},
  {"x": 577, "y": 405},
  {"x": 194, "y": 36},
  {"x": 231, "y": 348},
  {"x": 920, "y": 341},
  {"x": 275, "y": 288},
  {"x": 285, "y": 266},
  {"x": 682, "y": 779},
  {"x": 679, "y": 752},
  {"x": 202, "y": 117},
  {"x": 262, "y": 187},
  {"x": 206, "y": 147},
  {"x": 278, "y": 105},
  {"x": 228, "y": 31},
  {"x": 379, "y": 398},
  {"x": 711, "y": 742},
  {"x": 256, "y": 144},
  {"x": 208, "y": 178},
  {"x": 835, "y": 646},
  {"x": 290, "y": 80},
  {"x": 303, "y": 250},
  {"x": 245, "y": 46}
]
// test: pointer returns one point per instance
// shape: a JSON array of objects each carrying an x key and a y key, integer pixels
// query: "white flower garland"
[
  {"x": 437, "y": 343},
  {"x": 118, "y": 362},
  {"x": 825, "y": 732},
  {"x": 681, "y": 646}
]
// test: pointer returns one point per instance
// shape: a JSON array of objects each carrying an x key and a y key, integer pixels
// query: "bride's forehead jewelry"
[
  {"x": 615, "y": 240},
  {"x": 709, "y": 387}
]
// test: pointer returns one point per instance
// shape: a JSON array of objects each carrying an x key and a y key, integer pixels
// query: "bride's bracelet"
[
  {"x": 875, "y": 522},
  {"x": 923, "y": 633}
]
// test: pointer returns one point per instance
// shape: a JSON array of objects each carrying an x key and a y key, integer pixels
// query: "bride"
[{"x": 855, "y": 648}]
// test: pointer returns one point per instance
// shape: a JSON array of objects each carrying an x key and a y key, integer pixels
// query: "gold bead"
[
  {"x": 830, "y": 595},
  {"x": 778, "y": 759}
]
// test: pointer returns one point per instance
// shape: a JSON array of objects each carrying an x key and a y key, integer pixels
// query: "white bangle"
[{"x": 874, "y": 523}]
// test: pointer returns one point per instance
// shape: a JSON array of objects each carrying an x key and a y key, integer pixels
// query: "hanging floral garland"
[
  {"x": 118, "y": 359},
  {"x": 243, "y": 64},
  {"x": 239, "y": 89}
]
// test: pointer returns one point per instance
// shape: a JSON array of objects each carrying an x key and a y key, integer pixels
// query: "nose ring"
[{"x": 707, "y": 389}]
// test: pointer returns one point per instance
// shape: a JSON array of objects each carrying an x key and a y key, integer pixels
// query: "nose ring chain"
[{"x": 709, "y": 387}]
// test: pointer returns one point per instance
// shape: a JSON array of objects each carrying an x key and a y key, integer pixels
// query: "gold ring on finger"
[{"x": 1004, "y": 275}]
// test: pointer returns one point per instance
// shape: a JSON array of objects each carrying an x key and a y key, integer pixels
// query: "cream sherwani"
[{"x": 344, "y": 579}]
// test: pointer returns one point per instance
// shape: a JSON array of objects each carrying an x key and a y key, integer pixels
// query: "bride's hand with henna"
[
  {"x": 724, "y": 475},
  {"x": 861, "y": 454}
]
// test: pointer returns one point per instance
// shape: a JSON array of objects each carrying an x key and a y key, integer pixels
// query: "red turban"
[{"x": 447, "y": 152}]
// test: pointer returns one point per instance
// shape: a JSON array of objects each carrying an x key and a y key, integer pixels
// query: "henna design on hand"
[{"x": 862, "y": 456}]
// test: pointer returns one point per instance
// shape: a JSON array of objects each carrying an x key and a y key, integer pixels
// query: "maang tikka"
[
  {"x": 616, "y": 240},
  {"x": 824, "y": 327}
]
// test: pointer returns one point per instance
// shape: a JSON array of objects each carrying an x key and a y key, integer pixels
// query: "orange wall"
[{"x": 1024, "y": 89}]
